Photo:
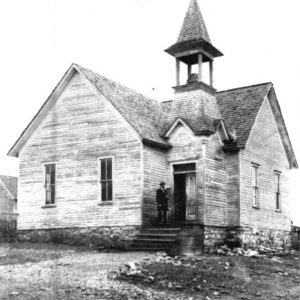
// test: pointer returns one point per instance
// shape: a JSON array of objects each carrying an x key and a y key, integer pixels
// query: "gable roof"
[
  {"x": 10, "y": 183},
  {"x": 142, "y": 113},
  {"x": 193, "y": 27},
  {"x": 152, "y": 120},
  {"x": 239, "y": 108}
]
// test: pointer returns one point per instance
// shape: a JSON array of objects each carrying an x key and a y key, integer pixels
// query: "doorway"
[{"x": 185, "y": 196}]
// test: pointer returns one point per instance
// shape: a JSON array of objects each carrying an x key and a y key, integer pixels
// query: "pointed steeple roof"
[
  {"x": 193, "y": 26},
  {"x": 193, "y": 35}
]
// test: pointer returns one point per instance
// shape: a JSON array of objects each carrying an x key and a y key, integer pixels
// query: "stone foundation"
[
  {"x": 253, "y": 237},
  {"x": 245, "y": 237},
  {"x": 214, "y": 236},
  {"x": 118, "y": 237}
]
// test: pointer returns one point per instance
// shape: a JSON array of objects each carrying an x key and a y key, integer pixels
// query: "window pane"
[
  {"x": 109, "y": 190},
  {"x": 47, "y": 174},
  {"x": 254, "y": 175},
  {"x": 103, "y": 191},
  {"x": 109, "y": 168},
  {"x": 53, "y": 194},
  {"x": 277, "y": 201},
  {"x": 52, "y": 174},
  {"x": 255, "y": 196},
  {"x": 103, "y": 169},
  {"x": 48, "y": 197}
]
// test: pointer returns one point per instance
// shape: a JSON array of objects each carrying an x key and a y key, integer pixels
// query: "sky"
[{"x": 125, "y": 41}]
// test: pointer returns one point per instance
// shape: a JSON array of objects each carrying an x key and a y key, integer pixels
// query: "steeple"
[
  {"x": 194, "y": 46},
  {"x": 193, "y": 26}
]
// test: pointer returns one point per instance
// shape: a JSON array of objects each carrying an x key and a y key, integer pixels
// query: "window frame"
[
  {"x": 99, "y": 181},
  {"x": 277, "y": 190},
  {"x": 44, "y": 204},
  {"x": 255, "y": 185}
]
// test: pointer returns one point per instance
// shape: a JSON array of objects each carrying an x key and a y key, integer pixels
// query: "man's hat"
[{"x": 162, "y": 183}]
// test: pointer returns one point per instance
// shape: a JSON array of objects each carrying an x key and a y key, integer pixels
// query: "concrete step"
[
  {"x": 154, "y": 241},
  {"x": 156, "y": 230},
  {"x": 160, "y": 236}
]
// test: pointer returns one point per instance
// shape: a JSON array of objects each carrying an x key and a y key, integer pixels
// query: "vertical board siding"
[
  {"x": 78, "y": 130},
  {"x": 215, "y": 185},
  {"x": 155, "y": 167},
  {"x": 232, "y": 188},
  {"x": 264, "y": 148}
]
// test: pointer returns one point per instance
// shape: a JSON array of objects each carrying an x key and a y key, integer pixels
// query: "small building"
[
  {"x": 8, "y": 196},
  {"x": 92, "y": 157},
  {"x": 8, "y": 204}
]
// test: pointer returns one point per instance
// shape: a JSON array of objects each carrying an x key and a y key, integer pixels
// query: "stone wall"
[
  {"x": 214, "y": 236},
  {"x": 245, "y": 237},
  {"x": 118, "y": 237},
  {"x": 251, "y": 237}
]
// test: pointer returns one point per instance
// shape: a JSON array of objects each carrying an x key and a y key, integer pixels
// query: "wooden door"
[{"x": 191, "y": 198}]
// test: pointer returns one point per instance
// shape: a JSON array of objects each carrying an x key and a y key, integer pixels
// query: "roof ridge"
[{"x": 244, "y": 87}]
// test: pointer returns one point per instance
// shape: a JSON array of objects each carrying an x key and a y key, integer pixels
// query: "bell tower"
[{"x": 194, "y": 47}]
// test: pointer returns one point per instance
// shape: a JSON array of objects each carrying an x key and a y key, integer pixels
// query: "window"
[
  {"x": 106, "y": 184},
  {"x": 255, "y": 185},
  {"x": 277, "y": 195},
  {"x": 49, "y": 184}
]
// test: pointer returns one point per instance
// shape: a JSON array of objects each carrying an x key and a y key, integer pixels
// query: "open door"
[
  {"x": 191, "y": 199},
  {"x": 185, "y": 199}
]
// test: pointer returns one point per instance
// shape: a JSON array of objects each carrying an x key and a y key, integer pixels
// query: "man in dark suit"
[{"x": 162, "y": 203}]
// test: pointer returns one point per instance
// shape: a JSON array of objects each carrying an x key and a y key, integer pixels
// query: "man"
[{"x": 162, "y": 203}]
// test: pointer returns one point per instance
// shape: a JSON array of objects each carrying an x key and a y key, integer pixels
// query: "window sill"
[
  {"x": 49, "y": 206},
  {"x": 105, "y": 203},
  {"x": 255, "y": 206}
]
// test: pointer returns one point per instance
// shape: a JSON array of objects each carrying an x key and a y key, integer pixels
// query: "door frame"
[{"x": 182, "y": 162}]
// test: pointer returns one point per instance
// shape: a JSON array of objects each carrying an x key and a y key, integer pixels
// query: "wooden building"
[
  {"x": 8, "y": 205},
  {"x": 93, "y": 156}
]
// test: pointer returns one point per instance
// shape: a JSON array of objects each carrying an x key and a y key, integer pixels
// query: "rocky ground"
[{"x": 45, "y": 271}]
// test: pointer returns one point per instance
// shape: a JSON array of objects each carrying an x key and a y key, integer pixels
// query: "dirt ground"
[{"x": 45, "y": 271}]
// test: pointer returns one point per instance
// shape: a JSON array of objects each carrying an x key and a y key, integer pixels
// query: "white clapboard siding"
[
  {"x": 265, "y": 149},
  {"x": 78, "y": 130}
]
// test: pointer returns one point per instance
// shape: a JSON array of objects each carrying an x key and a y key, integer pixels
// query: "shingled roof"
[
  {"x": 193, "y": 27},
  {"x": 239, "y": 108},
  {"x": 143, "y": 113},
  {"x": 10, "y": 183},
  {"x": 193, "y": 112}
]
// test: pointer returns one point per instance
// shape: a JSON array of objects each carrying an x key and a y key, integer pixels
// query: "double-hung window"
[
  {"x": 277, "y": 195},
  {"x": 255, "y": 185},
  {"x": 49, "y": 186},
  {"x": 106, "y": 180}
]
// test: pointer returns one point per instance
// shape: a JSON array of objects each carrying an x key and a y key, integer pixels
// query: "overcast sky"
[{"x": 124, "y": 40}]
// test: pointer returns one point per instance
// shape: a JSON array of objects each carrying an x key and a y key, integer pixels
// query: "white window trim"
[
  {"x": 44, "y": 205},
  {"x": 255, "y": 166},
  {"x": 99, "y": 193},
  {"x": 277, "y": 173}
]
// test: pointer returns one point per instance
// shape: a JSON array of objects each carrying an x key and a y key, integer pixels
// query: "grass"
[{"x": 225, "y": 277}]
